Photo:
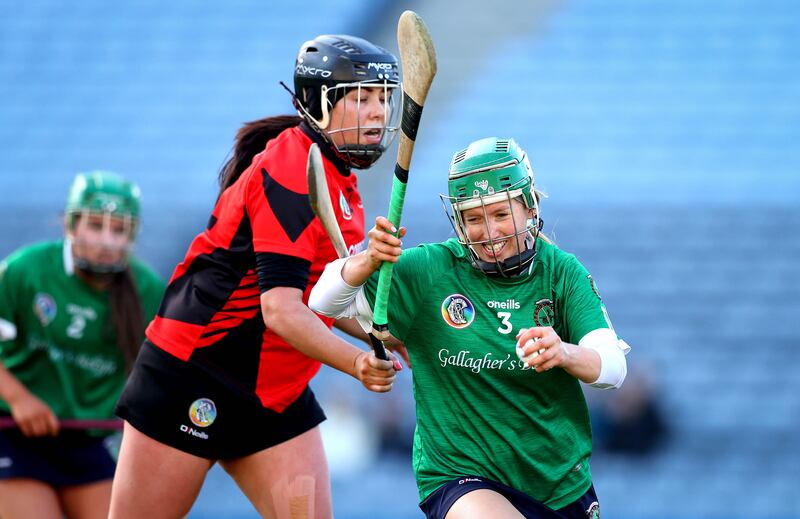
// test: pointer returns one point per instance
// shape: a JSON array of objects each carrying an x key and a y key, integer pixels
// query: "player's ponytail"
[
  {"x": 251, "y": 139},
  {"x": 127, "y": 316}
]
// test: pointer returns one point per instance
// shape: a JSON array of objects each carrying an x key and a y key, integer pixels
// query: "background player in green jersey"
[
  {"x": 72, "y": 316},
  {"x": 501, "y": 327}
]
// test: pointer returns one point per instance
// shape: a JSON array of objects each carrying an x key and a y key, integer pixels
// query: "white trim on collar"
[{"x": 69, "y": 262}]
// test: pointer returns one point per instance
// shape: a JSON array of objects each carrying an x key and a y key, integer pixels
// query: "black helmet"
[{"x": 327, "y": 67}]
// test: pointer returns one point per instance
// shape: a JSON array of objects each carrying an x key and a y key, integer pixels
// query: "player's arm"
[
  {"x": 598, "y": 359},
  {"x": 341, "y": 295},
  {"x": 32, "y": 415},
  {"x": 285, "y": 313},
  {"x": 383, "y": 246},
  {"x": 592, "y": 352},
  {"x": 285, "y": 243},
  {"x": 350, "y": 326},
  {"x": 282, "y": 279},
  {"x": 338, "y": 292}
]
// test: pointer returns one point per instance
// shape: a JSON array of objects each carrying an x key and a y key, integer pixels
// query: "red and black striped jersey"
[{"x": 211, "y": 312}]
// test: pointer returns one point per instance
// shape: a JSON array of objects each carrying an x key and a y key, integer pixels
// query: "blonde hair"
[{"x": 538, "y": 195}]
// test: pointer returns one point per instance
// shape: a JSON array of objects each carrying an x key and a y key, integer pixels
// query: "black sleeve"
[{"x": 280, "y": 270}]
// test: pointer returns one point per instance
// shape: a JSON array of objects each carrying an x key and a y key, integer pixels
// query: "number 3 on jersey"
[{"x": 505, "y": 324}]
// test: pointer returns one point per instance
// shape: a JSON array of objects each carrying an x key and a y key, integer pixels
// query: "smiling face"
[
  {"x": 493, "y": 206},
  {"x": 497, "y": 231}
]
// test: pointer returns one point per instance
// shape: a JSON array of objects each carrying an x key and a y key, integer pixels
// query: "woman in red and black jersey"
[{"x": 223, "y": 375}]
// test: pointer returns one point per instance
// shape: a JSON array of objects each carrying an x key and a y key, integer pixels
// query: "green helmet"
[
  {"x": 488, "y": 171},
  {"x": 103, "y": 192},
  {"x": 110, "y": 195}
]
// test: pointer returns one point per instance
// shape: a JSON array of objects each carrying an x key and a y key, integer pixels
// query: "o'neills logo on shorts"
[
  {"x": 194, "y": 432},
  {"x": 469, "y": 480}
]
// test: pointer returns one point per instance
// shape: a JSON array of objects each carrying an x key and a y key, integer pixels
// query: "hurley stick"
[
  {"x": 418, "y": 59},
  {"x": 320, "y": 199}
]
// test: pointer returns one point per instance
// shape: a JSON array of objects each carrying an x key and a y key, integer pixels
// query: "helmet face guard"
[
  {"x": 347, "y": 139},
  {"x": 102, "y": 217},
  {"x": 327, "y": 68},
  {"x": 488, "y": 172}
]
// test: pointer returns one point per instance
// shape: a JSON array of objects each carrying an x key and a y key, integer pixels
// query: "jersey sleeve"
[
  {"x": 410, "y": 275},
  {"x": 581, "y": 306},
  {"x": 281, "y": 218},
  {"x": 10, "y": 294}
]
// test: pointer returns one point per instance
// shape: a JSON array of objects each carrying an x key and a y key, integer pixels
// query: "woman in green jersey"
[
  {"x": 501, "y": 327},
  {"x": 72, "y": 316}
]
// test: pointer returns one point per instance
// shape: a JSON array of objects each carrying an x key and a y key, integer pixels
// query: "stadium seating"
[{"x": 664, "y": 132}]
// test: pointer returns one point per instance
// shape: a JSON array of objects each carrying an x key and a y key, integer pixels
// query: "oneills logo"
[{"x": 508, "y": 304}]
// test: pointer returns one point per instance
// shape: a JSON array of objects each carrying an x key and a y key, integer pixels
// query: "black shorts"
[
  {"x": 186, "y": 407},
  {"x": 71, "y": 458},
  {"x": 439, "y": 502}
]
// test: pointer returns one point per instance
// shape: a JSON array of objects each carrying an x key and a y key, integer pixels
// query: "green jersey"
[
  {"x": 56, "y": 335},
  {"x": 480, "y": 410}
]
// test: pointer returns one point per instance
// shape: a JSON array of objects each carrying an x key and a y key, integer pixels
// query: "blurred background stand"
[{"x": 665, "y": 133}]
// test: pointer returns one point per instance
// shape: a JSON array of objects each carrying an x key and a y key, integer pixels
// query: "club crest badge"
[
  {"x": 458, "y": 311},
  {"x": 544, "y": 313},
  {"x": 203, "y": 412},
  {"x": 44, "y": 306},
  {"x": 347, "y": 213},
  {"x": 593, "y": 512}
]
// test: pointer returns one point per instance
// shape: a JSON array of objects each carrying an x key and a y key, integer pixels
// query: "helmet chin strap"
[
  {"x": 91, "y": 268},
  {"x": 318, "y": 128},
  {"x": 357, "y": 156},
  {"x": 515, "y": 265},
  {"x": 101, "y": 269},
  {"x": 92, "y": 272}
]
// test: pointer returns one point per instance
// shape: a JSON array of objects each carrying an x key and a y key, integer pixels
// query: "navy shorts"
[
  {"x": 71, "y": 458},
  {"x": 439, "y": 502},
  {"x": 186, "y": 407}
]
